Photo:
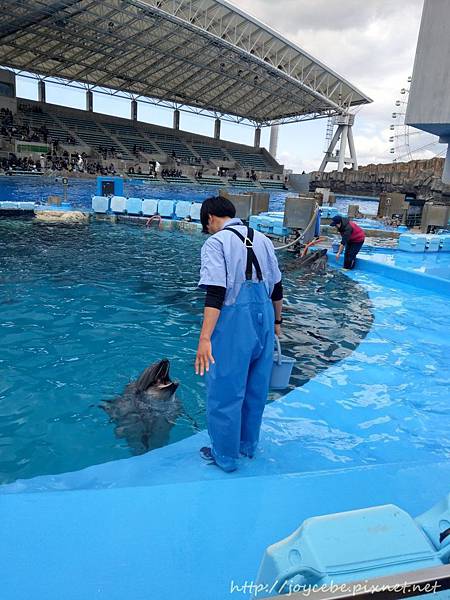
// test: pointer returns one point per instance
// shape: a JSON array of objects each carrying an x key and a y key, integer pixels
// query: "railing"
[{"x": 392, "y": 587}]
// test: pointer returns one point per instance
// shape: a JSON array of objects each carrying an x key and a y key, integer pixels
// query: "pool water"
[
  {"x": 80, "y": 191},
  {"x": 86, "y": 308}
]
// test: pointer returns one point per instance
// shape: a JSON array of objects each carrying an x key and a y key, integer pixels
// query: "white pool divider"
[
  {"x": 134, "y": 206},
  {"x": 118, "y": 204},
  {"x": 10, "y": 205},
  {"x": 100, "y": 204},
  {"x": 166, "y": 208},
  {"x": 149, "y": 207},
  {"x": 195, "y": 211},
  {"x": 183, "y": 209}
]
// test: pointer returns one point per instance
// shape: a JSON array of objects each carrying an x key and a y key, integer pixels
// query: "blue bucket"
[{"x": 282, "y": 369}]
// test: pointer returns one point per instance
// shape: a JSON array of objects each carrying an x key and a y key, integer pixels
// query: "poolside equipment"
[
  {"x": 109, "y": 186},
  {"x": 133, "y": 206},
  {"x": 410, "y": 242},
  {"x": 182, "y": 209},
  {"x": 118, "y": 204},
  {"x": 270, "y": 223},
  {"x": 328, "y": 212},
  {"x": 335, "y": 245},
  {"x": 149, "y": 207},
  {"x": 166, "y": 208},
  {"x": 420, "y": 242},
  {"x": 436, "y": 524},
  {"x": 444, "y": 242},
  {"x": 100, "y": 204},
  {"x": 357, "y": 545},
  {"x": 434, "y": 215},
  {"x": 238, "y": 383},
  {"x": 281, "y": 369},
  {"x": 195, "y": 211},
  {"x": 433, "y": 243},
  {"x": 19, "y": 209},
  {"x": 154, "y": 219}
]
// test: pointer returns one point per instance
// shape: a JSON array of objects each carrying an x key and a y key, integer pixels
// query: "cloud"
[{"x": 370, "y": 43}]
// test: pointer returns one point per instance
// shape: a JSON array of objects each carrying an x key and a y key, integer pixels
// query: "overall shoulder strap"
[{"x": 252, "y": 261}]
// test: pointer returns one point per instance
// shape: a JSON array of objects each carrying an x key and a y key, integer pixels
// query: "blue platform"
[{"x": 166, "y": 524}]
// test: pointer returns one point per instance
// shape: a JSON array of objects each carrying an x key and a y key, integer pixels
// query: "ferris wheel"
[{"x": 409, "y": 143}]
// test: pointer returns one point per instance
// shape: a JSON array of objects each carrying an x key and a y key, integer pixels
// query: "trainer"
[{"x": 244, "y": 297}]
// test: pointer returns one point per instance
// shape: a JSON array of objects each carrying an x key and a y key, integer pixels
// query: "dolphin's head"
[
  {"x": 320, "y": 263},
  {"x": 155, "y": 381}
]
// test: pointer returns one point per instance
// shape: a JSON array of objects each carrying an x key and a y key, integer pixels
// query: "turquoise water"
[{"x": 86, "y": 308}]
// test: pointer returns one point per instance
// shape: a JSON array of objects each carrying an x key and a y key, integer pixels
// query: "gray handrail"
[{"x": 391, "y": 587}]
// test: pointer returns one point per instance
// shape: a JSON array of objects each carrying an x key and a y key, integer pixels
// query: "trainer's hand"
[
  {"x": 338, "y": 256},
  {"x": 204, "y": 357},
  {"x": 278, "y": 330}
]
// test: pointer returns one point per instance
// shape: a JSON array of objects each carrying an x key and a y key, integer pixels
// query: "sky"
[{"x": 371, "y": 43}]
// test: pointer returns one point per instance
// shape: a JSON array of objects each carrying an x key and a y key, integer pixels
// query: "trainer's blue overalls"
[{"x": 238, "y": 382}]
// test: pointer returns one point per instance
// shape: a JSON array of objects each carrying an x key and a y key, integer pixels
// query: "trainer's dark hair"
[{"x": 217, "y": 207}]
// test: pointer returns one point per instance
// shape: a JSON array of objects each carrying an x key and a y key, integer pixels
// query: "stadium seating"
[
  {"x": 36, "y": 120},
  {"x": 128, "y": 138},
  {"x": 210, "y": 152},
  {"x": 250, "y": 160},
  {"x": 87, "y": 131}
]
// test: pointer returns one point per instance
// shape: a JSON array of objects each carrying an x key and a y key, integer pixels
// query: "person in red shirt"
[{"x": 352, "y": 240}]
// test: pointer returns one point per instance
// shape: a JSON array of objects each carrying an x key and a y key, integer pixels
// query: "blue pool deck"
[{"x": 166, "y": 525}]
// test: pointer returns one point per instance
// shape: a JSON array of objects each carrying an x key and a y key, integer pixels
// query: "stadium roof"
[{"x": 201, "y": 53}]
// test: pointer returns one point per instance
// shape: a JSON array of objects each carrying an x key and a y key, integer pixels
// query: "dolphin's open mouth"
[{"x": 162, "y": 373}]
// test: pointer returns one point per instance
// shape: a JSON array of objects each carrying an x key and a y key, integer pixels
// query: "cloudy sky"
[{"x": 371, "y": 43}]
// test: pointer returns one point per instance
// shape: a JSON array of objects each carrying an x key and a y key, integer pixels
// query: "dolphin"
[
  {"x": 315, "y": 261},
  {"x": 147, "y": 410}
]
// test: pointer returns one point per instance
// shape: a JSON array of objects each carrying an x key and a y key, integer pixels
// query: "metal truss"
[{"x": 204, "y": 56}]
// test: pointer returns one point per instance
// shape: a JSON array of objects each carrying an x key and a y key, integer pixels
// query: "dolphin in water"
[
  {"x": 314, "y": 261},
  {"x": 147, "y": 410}
]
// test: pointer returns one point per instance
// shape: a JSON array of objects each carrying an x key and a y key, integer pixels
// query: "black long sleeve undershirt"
[{"x": 215, "y": 295}]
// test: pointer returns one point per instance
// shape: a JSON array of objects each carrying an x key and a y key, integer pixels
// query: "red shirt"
[{"x": 357, "y": 236}]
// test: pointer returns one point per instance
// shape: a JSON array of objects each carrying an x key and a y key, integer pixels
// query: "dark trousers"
[{"x": 351, "y": 250}]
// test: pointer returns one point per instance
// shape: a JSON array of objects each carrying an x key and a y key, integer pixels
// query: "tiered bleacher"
[
  {"x": 86, "y": 131},
  {"x": 208, "y": 153},
  {"x": 173, "y": 147},
  {"x": 131, "y": 139},
  {"x": 118, "y": 145},
  {"x": 243, "y": 183},
  {"x": 272, "y": 184},
  {"x": 36, "y": 119},
  {"x": 250, "y": 160}
]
